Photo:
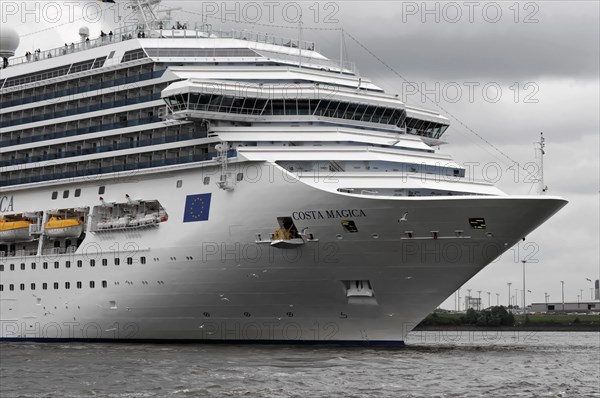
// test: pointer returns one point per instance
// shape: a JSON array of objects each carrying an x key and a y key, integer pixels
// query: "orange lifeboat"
[
  {"x": 14, "y": 231},
  {"x": 58, "y": 227}
]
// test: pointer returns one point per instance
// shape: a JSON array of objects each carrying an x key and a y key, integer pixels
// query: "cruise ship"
[{"x": 167, "y": 183}]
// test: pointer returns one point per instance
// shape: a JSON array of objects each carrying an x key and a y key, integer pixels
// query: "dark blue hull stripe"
[{"x": 357, "y": 343}]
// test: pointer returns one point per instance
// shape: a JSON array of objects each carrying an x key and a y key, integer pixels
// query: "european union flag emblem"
[{"x": 196, "y": 207}]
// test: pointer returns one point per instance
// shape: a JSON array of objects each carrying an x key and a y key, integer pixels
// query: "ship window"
[
  {"x": 67, "y": 285},
  {"x": 12, "y": 267},
  {"x": 129, "y": 260},
  {"x": 179, "y": 184},
  {"x": 349, "y": 226},
  {"x": 104, "y": 284},
  {"x": 477, "y": 223},
  {"x": 550, "y": 307},
  {"x": 44, "y": 286},
  {"x": 56, "y": 264},
  {"x": 77, "y": 192},
  {"x": 240, "y": 176},
  {"x": 143, "y": 260},
  {"x": 1, "y": 288},
  {"x": 45, "y": 265},
  {"x": 117, "y": 261},
  {"x": 101, "y": 190},
  {"x": 67, "y": 264},
  {"x": 79, "y": 284},
  {"x": 55, "y": 285},
  {"x": 22, "y": 286},
  {"x": 65, "y": 194},
  {"x": 92, "y": 284},
  {"x": 206, "y": 180},
  {"x": 92, "y": 263},
  {"x": 33, "y": 286},
  {"x": 1, "y": 267},
  {"x": 54, "y": 195},
  {"x": 11, "y": 287},
  {"x": 79, "y": 263},
  {"x": 104, "y": 262},
  {"x": 112, "y": 54},
  {"x": 32, "y": 265},
  {"x": 22, "y": 266}
]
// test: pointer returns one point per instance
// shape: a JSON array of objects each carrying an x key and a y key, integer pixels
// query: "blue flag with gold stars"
[{"x": 196, "y": 207}]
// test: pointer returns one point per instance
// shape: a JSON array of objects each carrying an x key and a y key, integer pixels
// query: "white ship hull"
[{"x": 214, "y": 280}]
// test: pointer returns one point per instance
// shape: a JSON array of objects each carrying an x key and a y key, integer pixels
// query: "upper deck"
[{"x": 177, "y": 44}]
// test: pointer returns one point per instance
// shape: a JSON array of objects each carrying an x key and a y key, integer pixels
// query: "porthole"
[
  {"x": 68, "y": 264},
  {"x": 92, "y": 263},
  {"x": 33, "y": 286},
  {"x": 240, "y": 176},
  {"x": 117, "y": 261},
  {"x": 104, "y": 262},
  {"x": 12, "y": 267},
  {"x": 22, "y": 286},
  {"x": 92, "y": 284},
  {"x": 79, "y": 263},
  {"x": 33, "y": 265},
  {"x": 104, "y": 284},
  {"x": 65, "y": 194},
  {"x": 67, "y": 285},
  {"x": 143, "y": 260},
  {"x": 129, "y": 260},
  {"x": 54, "y": 195},
  {"x": 55, "y": 285},
  {"x": 78, "y": 192},
  {"x": 44, "y": 286},
  {"x": 56, "y": 264},
  {"x": 179, "y": 184},
  {"x": 101, "y": 190},
  {"x": 206, "y": 180},
  {"x": 22, "y": 266},
  {"x": 79, "y": 284}
]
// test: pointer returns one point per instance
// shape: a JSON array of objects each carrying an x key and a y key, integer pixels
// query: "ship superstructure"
[{"x": 193, "y": 184}]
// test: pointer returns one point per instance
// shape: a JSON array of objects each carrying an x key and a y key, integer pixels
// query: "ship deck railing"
[{"x": 205, "y": 31}]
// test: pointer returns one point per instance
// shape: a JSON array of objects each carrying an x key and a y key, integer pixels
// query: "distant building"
[
  {"x": 472, "y": 302},
  {"x": 582, "y": 306}
]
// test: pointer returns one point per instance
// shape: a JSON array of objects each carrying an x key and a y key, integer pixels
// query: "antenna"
[
  {"x": 543, "y": 188},
  {"x": 300, "y": 40},
  {"x": 341, "y": 50}
]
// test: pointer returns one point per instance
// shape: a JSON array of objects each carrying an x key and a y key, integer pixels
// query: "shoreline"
[{"x": 516, "y": 328}]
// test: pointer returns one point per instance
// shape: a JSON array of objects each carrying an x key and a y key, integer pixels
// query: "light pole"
[
  {"x": 479, "y": 301},
  {"x": 578, "y": 301},
  {"x": 468, "y": 300},
  {"x": 497, "y": 298},
  {"x": 591, "y": 288},
  {"x": 581, "y": 293},
  {"x": 489, "y": 299},
  {"x": 563, "y": 294},
  {"x": 524, "y": 291},
  {"x": 546, "y": 297},
  {"x": 509, "y": 283}
]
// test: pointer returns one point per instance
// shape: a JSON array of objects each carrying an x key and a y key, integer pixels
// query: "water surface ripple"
[{"x": 433, "y": 364}]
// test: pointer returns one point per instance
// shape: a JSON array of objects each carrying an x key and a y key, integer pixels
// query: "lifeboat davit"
[
  {"x": 14, "y": 231},
  {"x": 64, "y": 228}
]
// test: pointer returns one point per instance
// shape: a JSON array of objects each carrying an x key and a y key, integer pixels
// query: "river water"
[{"x": 433, "y": 364}]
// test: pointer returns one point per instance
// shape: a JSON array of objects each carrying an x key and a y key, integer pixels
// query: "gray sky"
[{"x": 542, "y": 55}]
